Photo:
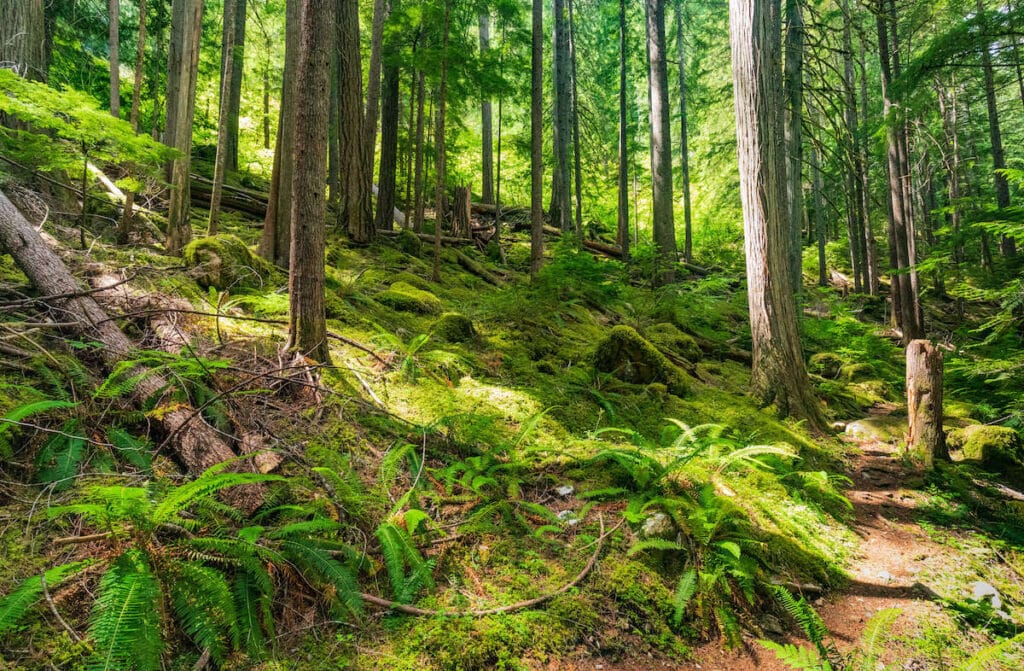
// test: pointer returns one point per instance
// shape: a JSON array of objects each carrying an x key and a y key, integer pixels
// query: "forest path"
[{"x": 892, "y": 552}]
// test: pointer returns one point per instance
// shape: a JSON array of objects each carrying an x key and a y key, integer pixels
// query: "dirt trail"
[{"x": 893, "y": 551}]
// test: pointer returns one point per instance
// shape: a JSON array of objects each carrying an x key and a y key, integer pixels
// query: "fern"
[
  {"x": 804, "y": 615},
  {"x": 873, "y": 638},
  {"x": 399, "y": 552},
  {"x": 803, "y": 659},
  {"x": 654, "y": 544},
  {"x": 248, "y": 606},
  {"x": 130, "y": 449},
  {"x": 210, "y": 482},
  {"x": 317, "y": 561},
  {"x": 58, "y": 460},
  {"x": 125, "y": 625},
  {"x": 22, "y": 412},
  {"x": 205, "y": 607},
  {"x": 684, "y": 593},
  {"x": 981, "y": 659},
  {"x": 15, "y": 605}
]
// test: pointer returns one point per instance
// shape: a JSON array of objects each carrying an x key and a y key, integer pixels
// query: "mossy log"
[{"x": 196, "y": 444}]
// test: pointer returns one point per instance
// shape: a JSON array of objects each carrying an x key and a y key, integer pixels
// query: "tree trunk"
[
  {"x": 460, "y": 212},
  {"x": 356, "y": 207},
  {"x": 266, "y": 104},
  {"x": 577, "y": 171},
  {"x": 140, "y": 64},
  {"x": 439, "y": 145},
  {"x": 561, "y": 203},
  {"x": 195, "y": 443},
  {"x": 854, "y": 201},
  {"x": 487, "y": 143},
  {"x": 187, "y": 15},
  {"x": 307, "y": 317},
  {"x": 794, "y": 87},
  {"x": 234, "y": 24},
  {"x": 380, "y": 15},
  {"x": 661, "y": 144},
  {"x": 870, "y": 246},
  {"x": 819, "y": 220},
  {"x": 221, "y": 160},
  {"x": 23, "y": 38},
  {"x": 684, "y": 151},
  {"x": 926, "y": 441},
  {"x": 417, "y": 221},
  {"x": 333, "y": 132},
  {"x": 275, "y": 245},
  {"x": 114, "y": 42},
  {"x": 1007, "y": 245},
  {"x": 622, "y": 230},
  {"x": 537, "y": 138},
  {"x": 778, "y": 371},
  {"x": 386, "y": 181}
]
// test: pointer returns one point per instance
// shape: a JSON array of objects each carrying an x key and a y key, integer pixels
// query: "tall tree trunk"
[
  {"x": 417, "y": 189},
  {"x": 236, "y": 25},
  {"x": 794, "y": 87},
  {"x": 819, "y": 219},
  {"x": 333, "y": 132},
  {"x": 661, "y": 144},
  {"x": 380, "y": 15},
  {"x": 387, "y": 178},
  {"x": 275, "y": 245},
  {"x": 778, "y": 371},
  {"x": 140, "y": 64},
  {"x": 487, "y": 143},
  {"x": 951, "y": 160},
  {"x": 440, "y": 149},
  {"x": 266, "y": 103},
  {"x": 221, "y": 160},
  {"x": 622, "y": 229},
  {"x": 23, "y": 38},
  {"x": 561, "y": 203},
  {"x": 1007, "y": 245},
  {"x": 356, "y": 206},
  {"x": 854, "y": 200},
  {"x": 537, "y": 138},
  {"x": 870, "y": 245},
  {"x": 114, "y": 41},
  {"x": 684, "y": 151},
  {"x": 306, "y": 316},
  {"x": 189, "y": 16},
  {"x": 577, "y": 170}
]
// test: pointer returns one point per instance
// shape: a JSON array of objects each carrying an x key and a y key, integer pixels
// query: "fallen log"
[
  {"x": 477, "y": 269},
  {"x": 427, "y": 237},
  {"x": 196, "y": 444},
  {"x": 238, "y": 200}
]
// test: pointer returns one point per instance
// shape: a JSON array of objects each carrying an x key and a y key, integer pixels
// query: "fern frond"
[
  {"x": 981, "y": 659},
  {"x": 205, "y": 607},
  {"x": 684, "y": 593},
  {"x": 130, "y": 449},
  {"x": 873, "y": 638},
  {"x": 125, "y": 624},
  {"x": 654, "y": 544},
  {"x": 210, "y": 482},
  {"x": 310, "y": 527},
  {"x": 248, "y": 608},
  {"x": 15, "y": 605},
  {"x": 58, "y": 460},
  {"x": 800, "y": 658},
  {"x": 325, "y": 569}
]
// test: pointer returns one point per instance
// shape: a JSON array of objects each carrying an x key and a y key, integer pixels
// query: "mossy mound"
[
  {"x": 407, "y": 298},
  {"x": 414, "y": 280},
  {"x": 852, "y": 372},
  {"x": 825, "y": 364},
  {"x": 453, "y": 327},
  {"x": 225, "y": 262},
  {"x": 628, "y": 356},
  {"x": 408, "y": 242},
  {"x": 991, "y": 446},
  {"x": 668, "y": 337}
]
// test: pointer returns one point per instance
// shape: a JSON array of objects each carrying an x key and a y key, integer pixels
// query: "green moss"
[
  {"x": 628, "y": 356},
  {"x": 856, "y": 371},
  {"x": 643, "y": 601},
  {"x": 408, "y": 242},
  {"x": 407, "y": 298},
  {"x": 224, "y": 262},
  {"x": 825, "y": 364},
  {"x": 414, "y": 280},
  {"x": 991, "y": 446},
  {"x": 453, "y": 327},
  {"x": 667, "y": 336}
]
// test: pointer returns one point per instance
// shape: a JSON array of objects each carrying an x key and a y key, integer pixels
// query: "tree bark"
[
  {"x": 487, "y": 143},
  {"x": 439, "y": 145},
  {"x": 221, "y": 160},
  {"x": 460, "y": 212},
  {"x": 684, "y": 151},
  {"x": 561, "y": 203},
  {"x": 380, "y": 15},
  {"x": 195, "y": 443},
  {"x": 275, "y": 245},
  {"x": 23, "y": 38},
  {"x": 187, "y": 27},
  {"x": 537, "y": 138},
  {"x": 794, "y": 88},
  {"x": 387, "y": 178},
  {"x": 235, "y": 25},
  {"x": 114, "y": 55},
  {"x": 622, "y": 230},
  {"x": 778, "y": 371},
  {"x": 417, "y": 221},
  {"x": 661, "y": 144},
  {"x": 870, "y": 245},
  {"x": 926, "y": 441},
  {"x": 307, "y": 316},
  {"x": 356, "y": 207},
  {"x": 577, "y": 170},
  {"x": 140, "y": 63},
  {"x": 854, "y": 201}
]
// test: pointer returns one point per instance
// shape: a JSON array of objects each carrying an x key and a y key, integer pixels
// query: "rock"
[
  {"x": 565, "y": 490},
  {"x": 885, "y": 576},
  {"x": 569, "y": 517},
  {"x": 772, "y": 625},
  {"x": 852, "y": 372},
  {"x": 981, "y": 590},
  {"x": 408, "y": 242},
  {"x": 658, "y": 525},
  {"x": 825, "y": 364},
  {"x": 224, "y": 262},
  {"x": 628, "y": 356},
  {"x": 453, "y": 327},
  {"x": 407, "y": 298},
  {"x": 990, "y": 446},
  {"x": 668, "y": 337},
  {"x": 883, "y": 429}
]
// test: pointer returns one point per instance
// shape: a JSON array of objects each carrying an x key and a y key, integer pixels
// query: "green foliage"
[
  {"x": 9, "y": 422},
  {"x": 16, "y": 605},
  {"x": 407, "y": 570},
  {"x": 125, "y": 624},
  {"x": 204, "y": 607}
]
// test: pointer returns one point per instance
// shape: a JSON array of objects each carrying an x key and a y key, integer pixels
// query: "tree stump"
[
  {"x": 460, "y": 216},
  {"x": 926, "y": 440}
]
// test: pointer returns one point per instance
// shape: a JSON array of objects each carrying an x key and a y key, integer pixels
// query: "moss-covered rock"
[
  {"x": 991, "y": 446},
  {"x": 415, "y": 280},
  {"x": 407, "y": 298},
  {"x": 628, "y": 356},
  {"x": 856, "y": 371},
  {"x": 453, "y": 327},
  {"x": 668, "y": 337},
  {"x": 408, "y": 242},
  {"x": 225, "y": 262},
  {"x": 825, "y": 364}
]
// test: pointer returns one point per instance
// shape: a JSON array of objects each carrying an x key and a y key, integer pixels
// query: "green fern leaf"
[
  {"x": 981, "y": 659},
  {"x": 324, "y": 568},
  {"x": 247, "y": 605},
  {"x": 654, "y": 544},
  {"x": 205, "y": 607},
  {"x": 873, "y": 638},
  {"x": 684, "y": 593},
  {"x": 59, "y": 458},
  {"x": 15, "y": 605},
  {"x": 210, "y": 482},
  {"x": 125, "y": 624}
]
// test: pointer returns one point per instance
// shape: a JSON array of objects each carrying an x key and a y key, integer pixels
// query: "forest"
[{"x": 511, "y": 334}]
